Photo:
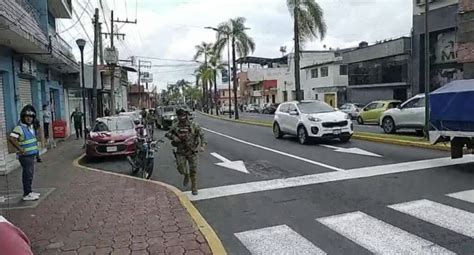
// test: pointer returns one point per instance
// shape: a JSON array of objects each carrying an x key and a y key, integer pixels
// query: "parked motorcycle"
[{"x": 143, "y": 161}]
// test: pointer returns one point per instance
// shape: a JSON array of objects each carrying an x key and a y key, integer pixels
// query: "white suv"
[
  {"x": 311, "y": 119},
  {"x": 409, "y": 115}
]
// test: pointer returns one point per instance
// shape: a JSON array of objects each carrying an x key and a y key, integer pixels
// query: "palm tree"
[
  {"x": 205, "y": 75},
  {"x": 216, "y": 66},
  {"x": 233, "y": 31},
  {"x": 204, "y": 50},
  {"x": 309, "y": 24}
]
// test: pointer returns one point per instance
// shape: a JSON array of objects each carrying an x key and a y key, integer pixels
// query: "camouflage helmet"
[{"x": 182, "y": 111}]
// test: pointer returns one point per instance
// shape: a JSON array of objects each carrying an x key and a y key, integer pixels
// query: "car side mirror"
[
  {"x": 137, "y": 122},
  {"x": 294, "y": 113}
]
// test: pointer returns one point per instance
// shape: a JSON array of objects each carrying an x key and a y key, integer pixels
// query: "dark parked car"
[
  {"x": 111, "y": 136},
  {"x": 165, "y": 115},
  {"x": 270, "y": 109}
]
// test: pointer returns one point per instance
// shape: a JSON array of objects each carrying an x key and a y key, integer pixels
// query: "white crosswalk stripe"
[
  {"x": 467, "y": 195},
  {"x": 379, "y": 237},
  {"x": 448, "y": 217},
  {"x": 277, "y": 240}
]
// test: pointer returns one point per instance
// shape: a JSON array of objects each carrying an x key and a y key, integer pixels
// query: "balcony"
[
  {"x": 60, "y": 9},
  {"x": 256, "y": 93}
]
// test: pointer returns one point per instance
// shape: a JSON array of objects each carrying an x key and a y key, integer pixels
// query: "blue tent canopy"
[{"x": 452, "y": 106}]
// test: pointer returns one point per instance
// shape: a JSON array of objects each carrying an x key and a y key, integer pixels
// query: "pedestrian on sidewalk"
[
  {"x": 46, "y": 122},
  {"x": 23, "y": 138},
  {"x": 77, "y": 117},
  {"x": 189, "y": 140}
]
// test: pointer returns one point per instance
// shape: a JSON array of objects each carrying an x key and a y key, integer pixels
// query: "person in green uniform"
[
  {"x": 76, "y": 118},
  {"x": 189, "y": 140}
]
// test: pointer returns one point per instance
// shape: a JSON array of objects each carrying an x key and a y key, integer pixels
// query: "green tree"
[
  {"x": 204, "y": 50},
  {"x": 308, "y": 24},
  {"x": 216, "y": 66},
  {"x": 234, "y": 32},
  {"x": 204, "y": 74}
]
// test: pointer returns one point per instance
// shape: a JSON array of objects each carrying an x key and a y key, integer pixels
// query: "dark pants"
[
  {"x": 28, "y": 165},
  {"x": 46, "y": 130},
  {"x": 78, "y": 127}
]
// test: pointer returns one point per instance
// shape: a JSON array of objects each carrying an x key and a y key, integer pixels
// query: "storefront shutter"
[
  {"x": 24, "y": 87},
  {"x": 3, "y": 129}
]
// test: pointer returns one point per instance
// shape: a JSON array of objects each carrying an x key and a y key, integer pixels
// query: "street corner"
[
  {"x": 183, "y": 227},
  {"x": 13, "y": 199}
]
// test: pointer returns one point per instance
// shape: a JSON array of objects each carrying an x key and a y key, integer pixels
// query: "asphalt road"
[{"x": 353, "y": 198}]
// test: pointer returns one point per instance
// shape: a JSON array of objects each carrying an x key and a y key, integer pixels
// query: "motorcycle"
[{"x": 143, "y": 161}]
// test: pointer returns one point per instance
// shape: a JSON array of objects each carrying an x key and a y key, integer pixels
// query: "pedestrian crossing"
[{"x": 374, "y": 235}]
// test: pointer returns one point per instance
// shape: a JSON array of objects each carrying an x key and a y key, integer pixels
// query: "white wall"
[
  {"x": 420, "y": 8},
  {"x": 280, "y": 74}
]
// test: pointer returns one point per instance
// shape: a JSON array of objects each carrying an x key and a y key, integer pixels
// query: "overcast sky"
[{"x": 169, "y": 29}]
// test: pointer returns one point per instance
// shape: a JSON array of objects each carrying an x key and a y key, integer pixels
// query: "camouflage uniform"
[{"x": 191, "y": 138}]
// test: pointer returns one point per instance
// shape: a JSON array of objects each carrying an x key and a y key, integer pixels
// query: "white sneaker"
[
  {"x": 36, "y": 194},
  {"x": 30, "y": 197}
]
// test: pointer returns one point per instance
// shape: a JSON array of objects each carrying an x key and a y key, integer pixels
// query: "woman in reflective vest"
[{"x": 23, "y": 138}]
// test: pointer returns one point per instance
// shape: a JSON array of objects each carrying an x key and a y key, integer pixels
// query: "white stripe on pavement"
[
  {"x": 249, "y": 187},
  {"x": 448, "y": 217},
  {"x": 276, "y": 151},
  {"x": 379, "y": 237},
  {"x": 467, "y": 195},
  {"x": 277, "y": 240}
]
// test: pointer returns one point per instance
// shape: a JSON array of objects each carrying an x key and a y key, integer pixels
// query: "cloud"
[{"x": 170, "y": 29}]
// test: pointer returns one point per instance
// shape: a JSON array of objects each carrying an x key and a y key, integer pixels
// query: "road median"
[{"x": 372, "y": 137}]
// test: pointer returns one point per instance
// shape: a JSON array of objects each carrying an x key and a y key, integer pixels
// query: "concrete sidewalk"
[{"x": 92, "y": 212}]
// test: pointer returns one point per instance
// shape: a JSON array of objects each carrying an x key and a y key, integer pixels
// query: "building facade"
[
  {"x": 444, "y": 65},
  {"x": 326, "y": 79},
  {"x": 465, "y": 35},
  {"x": 34, "y": 61},
  {"x": 379, "y": 72}
]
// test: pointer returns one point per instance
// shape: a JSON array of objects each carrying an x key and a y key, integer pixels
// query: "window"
[
  {"x": 284, "y": 108},
  {"x": 393, "y": 105},
  {"x": 414, "y": 103},
  {"x": 370, "y": 106},
  {"x": 314, "y": 107},
  {"x": 314, "y": 73},
  {"x": 111, "y": 124},
  {"x": 343, "y": 70},
  {"x": 379, "y": 105},
  {"x": 378, "y": 71},
  {"x": 292, "y": 108},
  {"x": 324, "y": 71}
]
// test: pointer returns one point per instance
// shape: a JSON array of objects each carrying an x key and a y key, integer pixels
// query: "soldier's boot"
[
  {"x": 194, "y": 189},
  {"x": 186, "y": 180}
]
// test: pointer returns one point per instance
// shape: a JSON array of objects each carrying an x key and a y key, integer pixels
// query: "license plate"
[
  {"x": 112, "y": 149},
  {"x": 336, "y": 132}
]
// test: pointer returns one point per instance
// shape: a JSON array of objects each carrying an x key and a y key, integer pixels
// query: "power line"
[
  {"x": 168, "y": 59},
  {"x": 75, "y": 23}
]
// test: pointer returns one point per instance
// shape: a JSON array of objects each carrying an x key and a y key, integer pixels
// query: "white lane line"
[
  {"x": 275, "y": 151},
  {"x": 249, "y": 187},
  {"x": 277, "y": 240},
  {"x": 448, "y": 217},
  {"x": 379, "y": 237},
  {"x": 467, "y": 195}
]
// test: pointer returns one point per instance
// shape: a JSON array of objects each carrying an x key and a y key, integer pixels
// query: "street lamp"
[
  {"x": 81, "y": 43},
  {"x": 228, "y": 65}
]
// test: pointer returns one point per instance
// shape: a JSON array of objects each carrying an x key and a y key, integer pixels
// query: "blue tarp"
[{"x": 452, "y": 106}]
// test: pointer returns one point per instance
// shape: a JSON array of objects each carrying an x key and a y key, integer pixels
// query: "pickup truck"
[{"x": 452, "y": 116}]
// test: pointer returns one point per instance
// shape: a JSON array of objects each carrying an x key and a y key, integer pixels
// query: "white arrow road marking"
[
  {"x": 276, "y": 151},
  {"x": 352, "y": 150},
  {"x": 237, "y": 165}
]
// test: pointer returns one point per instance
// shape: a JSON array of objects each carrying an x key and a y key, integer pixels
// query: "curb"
[
  {"x": 208, "y": 232},
  {"x": 356, "y": 135}
]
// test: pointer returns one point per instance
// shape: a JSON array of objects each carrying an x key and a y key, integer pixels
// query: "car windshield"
[
  {"x": 314, "y": 107},
  {"x": 346, "y": 107},
  {"x": 168, "y": 109},
  {"x": 112, "y": 124}
]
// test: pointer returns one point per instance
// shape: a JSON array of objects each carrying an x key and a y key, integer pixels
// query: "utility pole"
[
  {"x": 139, "y": 87},
  {"x": 101, "y": 47},
  {"x": 112, "y": 66},
  {"x": 94, "y": 70},
  {"x": 427, "y": 71}
]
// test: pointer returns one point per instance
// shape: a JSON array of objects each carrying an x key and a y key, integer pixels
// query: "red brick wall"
[
  {"x": 466, "y": 5},
  {"x": 466, "y": 52}
]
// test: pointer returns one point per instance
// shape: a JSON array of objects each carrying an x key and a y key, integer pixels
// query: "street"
[{"x": 268, "y": 196}]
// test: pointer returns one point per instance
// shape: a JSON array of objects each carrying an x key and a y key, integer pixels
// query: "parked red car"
[{"x": 111, "y": 136}]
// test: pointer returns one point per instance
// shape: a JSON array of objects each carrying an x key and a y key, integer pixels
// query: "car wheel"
[
  {"x": 345, "y": 138},
  {"x": 360, "y": 120},
  {"x": 302, "y": 135},
  {"x": 277, "y": 131},
  {"x": 388, "y": 125}
]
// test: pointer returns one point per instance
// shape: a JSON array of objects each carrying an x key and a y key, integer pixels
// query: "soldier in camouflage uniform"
[{"x": 188, "y": 139}]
